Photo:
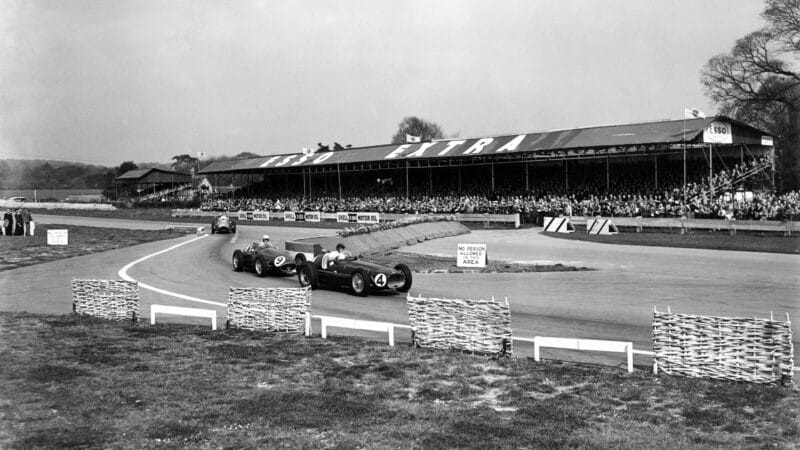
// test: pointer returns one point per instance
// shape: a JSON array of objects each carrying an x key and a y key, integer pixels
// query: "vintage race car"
[
  {"x": 350, "y": 272},
  {"x": 263, "y": 260},
  {"x": 223, "y": 224}
]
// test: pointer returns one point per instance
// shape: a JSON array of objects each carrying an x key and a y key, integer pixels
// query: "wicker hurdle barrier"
[
  {"x": 726, "y": 348},
  {"x": 107, "y": 299},
  {"x": 269, "y": 309},
  {"x": 480, "y": 326}
]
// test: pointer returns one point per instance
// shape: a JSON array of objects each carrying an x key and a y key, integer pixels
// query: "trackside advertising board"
[
  {"x": 253, "y": 215},
  {"x": 358, "y": 217},
  {"x": 471, "y": 255}
]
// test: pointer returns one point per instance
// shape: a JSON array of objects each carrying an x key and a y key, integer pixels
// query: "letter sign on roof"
[
  {"x": 450, "y": 145},
  {"x": 396, "y": 152},
  {"x": 478, "y": 146},
  {"x": 421, "y": 150},
  {"x": 512, "y": 144}
]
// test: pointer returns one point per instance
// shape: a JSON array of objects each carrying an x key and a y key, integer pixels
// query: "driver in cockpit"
[
  {"x": 265, "y": 243},
  {"x": 331, "y": 258}
]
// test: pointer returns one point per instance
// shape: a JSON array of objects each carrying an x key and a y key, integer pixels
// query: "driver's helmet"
[
  {"x": 265, "y": 238},
  {"x": 339, "y": 247}
]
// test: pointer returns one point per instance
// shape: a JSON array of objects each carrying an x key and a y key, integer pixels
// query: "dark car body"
[
  {"x": 223, "y": 224},
  {"x": 263, "y": 260},
  {"x": 360, "y": 276}
]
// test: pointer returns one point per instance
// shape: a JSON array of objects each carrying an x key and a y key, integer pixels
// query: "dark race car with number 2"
[
  {"x": 263, "y": 260},
  {"x": 349, "y": 272}
]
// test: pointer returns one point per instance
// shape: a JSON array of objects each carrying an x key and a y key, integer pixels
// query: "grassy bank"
[
  {"x": 73, "y": 381},
  {"x": 19, "y": 251},
  {"x": 431, "y": 263}
]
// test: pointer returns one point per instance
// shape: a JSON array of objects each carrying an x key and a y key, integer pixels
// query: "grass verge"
[
  {"x": 75, "y": 381},
  {"x": 18, "y": 251},
  {"x": 702, "y": 240}
]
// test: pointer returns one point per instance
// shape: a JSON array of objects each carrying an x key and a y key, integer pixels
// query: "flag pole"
[{"x": 684, "y": 158}]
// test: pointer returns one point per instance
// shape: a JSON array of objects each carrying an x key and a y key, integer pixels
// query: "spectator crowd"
[{"x": 628, "y": 196}]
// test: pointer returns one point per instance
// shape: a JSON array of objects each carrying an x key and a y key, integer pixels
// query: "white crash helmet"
[{"x": 265, "y": 238}]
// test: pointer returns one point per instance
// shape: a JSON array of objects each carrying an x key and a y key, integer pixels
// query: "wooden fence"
[
  {"x": 726, "y": 348},
  {"x": 269, "y": 309},
  {"x": 481, "y": 326},
  {"x": 107, "y": 299}
]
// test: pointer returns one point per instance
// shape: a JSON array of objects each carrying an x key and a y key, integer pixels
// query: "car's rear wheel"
[
  {"x": 260, "y": 267},
  {"x": 307, "y": 276},
  {"x": 237, "y": 261},
  {"x": 359, "y": 281},
  {"x": 407, "y": 275}
]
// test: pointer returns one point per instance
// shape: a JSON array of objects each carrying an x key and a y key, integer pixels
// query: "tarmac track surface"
[{"x": 615, "y": 301}]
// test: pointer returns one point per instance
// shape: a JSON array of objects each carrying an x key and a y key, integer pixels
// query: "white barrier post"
[{"x": 177, "y": 310}]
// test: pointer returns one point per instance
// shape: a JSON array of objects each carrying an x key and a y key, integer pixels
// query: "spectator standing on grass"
[
  {"x": 26, "y": 222},
  {"x": 6, "y": 223},
  {"x": 19, "y": 228}
]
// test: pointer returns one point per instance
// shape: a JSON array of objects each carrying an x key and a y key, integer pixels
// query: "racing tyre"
[
  {"x": 407, "y": 275},
  {"x": 307, "y": 276},
  {"x": 260, "y": 266},
  {"x": 360, "y": 282},
  {"x": 299, "y": 259},
  {"x": 237, "y": 261},
  {"x": 233, "y": 228}
]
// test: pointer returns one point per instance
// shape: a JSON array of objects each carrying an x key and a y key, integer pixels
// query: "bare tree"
[
  {"x": 758, "y": 82},
  {"x": 414, "y": 126}
]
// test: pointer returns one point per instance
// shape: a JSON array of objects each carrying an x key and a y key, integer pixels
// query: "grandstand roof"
[
  {"x": 690, "y": 131},
  {"x": 153, "y": 175}
]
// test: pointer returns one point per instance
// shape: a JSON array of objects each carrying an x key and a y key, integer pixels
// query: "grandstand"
[
  {"x": 152, "y": 185},
  {"x": 657, "y": 169}
]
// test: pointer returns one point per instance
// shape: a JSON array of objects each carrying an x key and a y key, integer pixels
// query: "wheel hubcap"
[{"x": 358, "y": 283}]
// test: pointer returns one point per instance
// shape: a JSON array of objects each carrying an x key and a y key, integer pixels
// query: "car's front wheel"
[
  {"x": 359, "y": 281},
  {"x": 237, "y": 261},
  {"x": 260, "y": 267}
]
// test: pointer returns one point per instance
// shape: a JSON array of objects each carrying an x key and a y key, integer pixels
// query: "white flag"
[
  {"x": 693, "y": 113},
  {"x": 412, "y": 139},
  {"x": 201, "y": 155}
]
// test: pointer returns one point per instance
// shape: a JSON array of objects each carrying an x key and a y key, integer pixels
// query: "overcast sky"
[{"x": 105, "y": 81}]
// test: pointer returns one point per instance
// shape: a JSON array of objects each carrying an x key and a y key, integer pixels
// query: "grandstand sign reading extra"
[
  {"x": 718, "y": 133},
  {"x": 471, "y": 255},
  {"x": 57, "y": 237}
]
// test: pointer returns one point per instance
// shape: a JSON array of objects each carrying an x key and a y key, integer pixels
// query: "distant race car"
[
  {"x": 223, "y": 224},
  {"x": 360, "y": 276},
  {"x": 263, "y": 260}
]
